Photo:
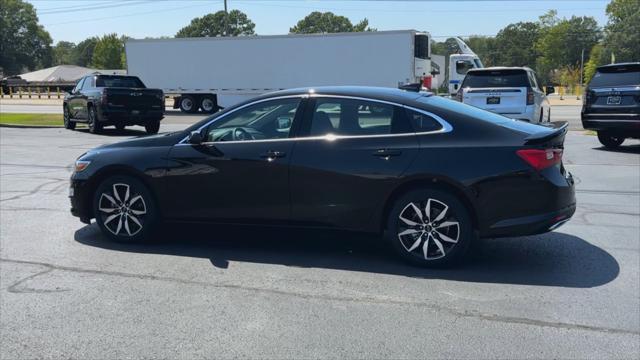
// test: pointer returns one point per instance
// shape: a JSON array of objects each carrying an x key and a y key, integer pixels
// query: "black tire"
[
  {"x": 188, "y": 104},
  {"x": 549, "y": 116},
  {"x": 447, "y": 245},
  {"x": 609, "y": 140},
  {"x": 94, "y": 125},
  {"x": 208, "y": 104},
  {"x": 120, "y": 127},
  {"x": 66, "y": 118},
  {"x": 131, "y": 218},
  {"x": 152, "y": 126}
]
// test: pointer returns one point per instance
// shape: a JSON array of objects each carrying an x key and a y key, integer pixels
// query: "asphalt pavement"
[{"x": 212, "y": 292}]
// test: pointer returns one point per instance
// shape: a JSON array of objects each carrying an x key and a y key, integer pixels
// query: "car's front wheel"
[
  {"x": 430, "y": 228},
  {"x": 609, "y": 140},
  {"x": 124, "y": 209},
  {"x": 66, "y": 118}
]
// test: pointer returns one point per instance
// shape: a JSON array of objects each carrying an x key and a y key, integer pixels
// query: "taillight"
[
  {"x": 530, "y": 97},
  {"x": 541, "y": 159}
]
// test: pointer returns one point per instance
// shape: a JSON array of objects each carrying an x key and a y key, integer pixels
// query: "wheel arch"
[
  {"x": 428, "y": 183},
  {"x": 115, "y": 170}
]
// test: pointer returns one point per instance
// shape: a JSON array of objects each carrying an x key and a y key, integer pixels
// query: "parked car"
[
  {"x": 102, "y": 100},
  {"x": 429, "y": 173},
  {"x": 611, "y": 104},
  {"x": 509, "y": 91}
]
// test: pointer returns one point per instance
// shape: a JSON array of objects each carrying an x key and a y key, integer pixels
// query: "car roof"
[
  {"x": 379, "y": 93},
  {"x": 494, "y": 68},
  {"x": 610, "y": 66}
]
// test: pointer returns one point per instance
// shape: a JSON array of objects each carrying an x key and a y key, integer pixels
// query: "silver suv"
[{"x": 509, "y": 91}]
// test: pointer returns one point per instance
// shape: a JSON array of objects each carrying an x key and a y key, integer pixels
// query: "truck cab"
[{"x": 459, "y": 65}]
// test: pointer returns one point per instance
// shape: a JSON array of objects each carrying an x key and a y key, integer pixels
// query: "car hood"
[{"x": 166, "y": 139}]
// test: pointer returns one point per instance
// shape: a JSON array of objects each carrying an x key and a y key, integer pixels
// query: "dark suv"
[
  {"x": 103, "y": 100},
  {"x": 612, "y": 103}
]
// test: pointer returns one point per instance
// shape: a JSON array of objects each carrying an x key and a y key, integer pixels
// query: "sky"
[{"x": 76, "y": 20}]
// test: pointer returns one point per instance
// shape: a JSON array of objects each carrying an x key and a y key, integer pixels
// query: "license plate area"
[
  {"x": 493, "y": 100},
  {"x": 614, "y": 100}
]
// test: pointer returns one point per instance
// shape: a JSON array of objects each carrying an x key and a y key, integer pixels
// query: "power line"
[{"x": 95, "y": 7}]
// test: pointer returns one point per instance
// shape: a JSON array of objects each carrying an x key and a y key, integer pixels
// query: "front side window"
[
  {"x": 353, "y": 117},
  {"x": 78, "y": 86},
  {"x": 265, "y": 120},
  {"x": 88, "y": 83},
  {"x": 462, "y": 66}
]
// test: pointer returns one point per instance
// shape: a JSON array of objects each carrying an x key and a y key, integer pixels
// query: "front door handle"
[
  {"x": 272, "y": 154},
  {"x": 386, "y": 153}
]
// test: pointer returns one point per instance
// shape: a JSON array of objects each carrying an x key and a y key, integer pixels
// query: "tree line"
[{"x": 552, "y": 46}]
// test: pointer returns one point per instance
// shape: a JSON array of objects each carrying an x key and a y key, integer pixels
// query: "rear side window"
[
  {"x": 422, "y": 122},
  {"x": 496, "y": 78},
  {"x": 616, "y": 76},
  {"x": 119, "y": 81},
  {"x": 356, "y": 117}
]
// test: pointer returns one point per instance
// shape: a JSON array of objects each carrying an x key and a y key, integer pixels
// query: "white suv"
[{"x": 509, "y": 91}]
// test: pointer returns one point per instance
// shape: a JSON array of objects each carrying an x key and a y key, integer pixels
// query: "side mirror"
[
  {"x": 195, "y": 138},
  {"x": 283, "y": 122},
  {"x": 549, "y": 90},
  {"x": 435, "y": 72}
]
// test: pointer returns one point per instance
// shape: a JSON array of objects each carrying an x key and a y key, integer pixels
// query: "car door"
[
  {"x": 240, "y": 172},
  {"x": 352, "y": 153},
  {"x": 74, "y": 103}
]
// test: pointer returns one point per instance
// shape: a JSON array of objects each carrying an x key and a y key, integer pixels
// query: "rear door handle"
[
  {"x": 386, "y": 153},
  {"x": 272, "y": 154}
]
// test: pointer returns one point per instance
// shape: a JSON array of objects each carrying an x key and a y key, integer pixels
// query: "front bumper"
[{"x": 80, "y": 203}]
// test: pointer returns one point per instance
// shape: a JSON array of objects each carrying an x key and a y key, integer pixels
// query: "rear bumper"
[
  {"x": 111, "y": 115},
  {"x": 531, "y": 225},
  {"x": 620, "y": 123}
]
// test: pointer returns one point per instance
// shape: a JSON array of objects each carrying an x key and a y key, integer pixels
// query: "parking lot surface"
[{"x": 206, "y": 291}]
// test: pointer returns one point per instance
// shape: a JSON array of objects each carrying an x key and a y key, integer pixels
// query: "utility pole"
[
  {"x": 226, "y": 19},
  {"x": 581, "y": 74}
]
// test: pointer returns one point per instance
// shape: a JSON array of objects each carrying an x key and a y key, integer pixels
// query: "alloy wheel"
[
  {"x": 429, "y": 229},
  {"x": 122, "y": 210}
]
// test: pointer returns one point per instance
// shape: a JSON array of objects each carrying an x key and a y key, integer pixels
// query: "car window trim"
[{"x": 446, "y": 127}]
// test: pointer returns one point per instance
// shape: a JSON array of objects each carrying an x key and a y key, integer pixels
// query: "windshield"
[
  {"x": 616, "y": 76},
  {"x": 496, "y": 78},
  {"x": 119, "y": 81}
]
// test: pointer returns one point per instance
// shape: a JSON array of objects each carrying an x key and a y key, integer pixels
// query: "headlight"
[{"x": 81, "y": 165}]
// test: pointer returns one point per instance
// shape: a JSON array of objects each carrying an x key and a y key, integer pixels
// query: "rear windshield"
[
  {"x": 481, "y": 115},
  {"x": 496, "y": 78},
  {"x": 119, "y": 81},
  {"x": 616, "y": 76}
]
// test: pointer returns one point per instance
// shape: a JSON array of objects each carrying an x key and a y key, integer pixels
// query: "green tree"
[
  {"x": 108, "y": 53},
  {"x": 24, "y": 43},
  {"x": 485, "y": 48},
  {"x": 212, "y": 25},
  {"x": 596, "y": 57},
  {"x": 64, "y": 53},
  {"x": 83, "y": 53},
  {"x": 515, "y": 44},
  {"x": 622, "y": 32},
  {"x": 328, "y": 22}
]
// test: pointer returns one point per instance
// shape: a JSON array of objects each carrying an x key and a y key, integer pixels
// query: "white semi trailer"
[{"x": 215, "y": 72}]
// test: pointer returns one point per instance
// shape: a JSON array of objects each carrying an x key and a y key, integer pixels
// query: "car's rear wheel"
[
  {"x": 66, "y": 118},
  {"x": 152, "y": 127},
  {"x": 188, "y": 104},
  {"x": 124, "y": 209},
  {"x": 94, "y": 125},
  {"x": 609, "y": 140},
  {"x": 430, "y": 228}
]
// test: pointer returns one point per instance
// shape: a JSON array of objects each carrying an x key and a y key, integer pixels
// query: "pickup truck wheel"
[
  {"x": 94, "y": 126},
  {"x": 188, "y": 104},
  {"x": 208, "y": 104},
  {"x": 152, "y": 127},
  {"x": 608, "y": 140},
  {"x": 66, "y": 117}
]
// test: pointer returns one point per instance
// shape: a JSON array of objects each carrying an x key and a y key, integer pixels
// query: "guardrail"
[{"x": 28, "y": 92}]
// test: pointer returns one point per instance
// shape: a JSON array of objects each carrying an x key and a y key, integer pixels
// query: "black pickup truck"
[{"x": 102, "y": 100}]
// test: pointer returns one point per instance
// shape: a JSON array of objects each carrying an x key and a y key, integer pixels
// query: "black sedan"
[{"x": 429, "y": 173}]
